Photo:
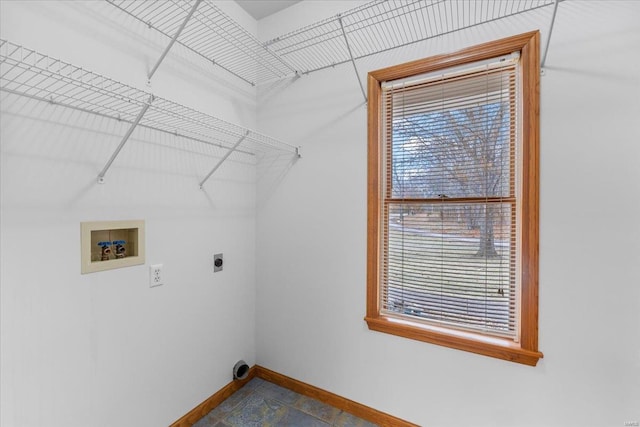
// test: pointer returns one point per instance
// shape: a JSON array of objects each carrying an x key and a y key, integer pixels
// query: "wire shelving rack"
[
  {"x": 201, "y": 27},
  {"x": 211, "y": 34},
  {"x": 374, "y": 27},
  {"x": 382, "y": 25},
  {"x": 28, "y": 73}
]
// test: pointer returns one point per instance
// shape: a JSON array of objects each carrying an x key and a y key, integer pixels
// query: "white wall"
[
  {"x": 103, "y": 349},
  {"x": 311, "y": 251}
]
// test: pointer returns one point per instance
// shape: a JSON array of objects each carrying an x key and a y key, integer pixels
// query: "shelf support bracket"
[
  {"x": 173, "y": 40},
  {"x": 553, "y": 20},
  {"x": 221, "y": 161},
  {"x": 124, "y": 140},
  {"x": 353, "y": 61}
]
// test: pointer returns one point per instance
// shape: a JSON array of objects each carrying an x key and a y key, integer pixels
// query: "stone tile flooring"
[{"x": 261, "y": 403}]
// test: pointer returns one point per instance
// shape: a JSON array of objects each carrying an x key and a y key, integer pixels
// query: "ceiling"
[{"x": 262, "y": 8}]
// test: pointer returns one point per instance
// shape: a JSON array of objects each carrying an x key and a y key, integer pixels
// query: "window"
[{"x": 453, "y": 199}]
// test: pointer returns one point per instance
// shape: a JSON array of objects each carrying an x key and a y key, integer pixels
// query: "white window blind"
[{"x": 450, "y": 198}]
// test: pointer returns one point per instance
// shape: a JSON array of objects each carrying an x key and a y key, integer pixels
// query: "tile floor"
[{"x": 261, "y": 403}]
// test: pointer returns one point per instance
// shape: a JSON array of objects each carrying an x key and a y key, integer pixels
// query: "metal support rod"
[
  {"x": 124, "y": 139},
  {"x": 221, "y": 161},
  {"x": 364, "y": 94},
  {"x": 553, "y": 19},
  {"x": 175, "y": 37}
]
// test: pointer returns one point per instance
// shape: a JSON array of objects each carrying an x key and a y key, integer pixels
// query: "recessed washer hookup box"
[{"x": 111, "y": 244}]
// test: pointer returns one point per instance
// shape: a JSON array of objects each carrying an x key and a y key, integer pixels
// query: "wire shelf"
[
  {"x": 383, "y": 25},
  {"x": 372, "y": 28},
  {"x": 211, "y": 34},
  {"x": 28, "y": 73}
]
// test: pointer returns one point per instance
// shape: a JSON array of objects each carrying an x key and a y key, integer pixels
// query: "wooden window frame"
[{"x": 524, "y": 351}]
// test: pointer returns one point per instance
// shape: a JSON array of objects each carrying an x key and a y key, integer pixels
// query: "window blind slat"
[{"x": 452, "y": 138}]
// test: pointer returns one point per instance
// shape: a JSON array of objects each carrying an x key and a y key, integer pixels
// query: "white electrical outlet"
[{"x": 155, "y": 275}]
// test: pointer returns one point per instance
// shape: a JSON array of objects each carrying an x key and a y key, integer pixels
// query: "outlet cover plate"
[{"x": 155, "y": 275}]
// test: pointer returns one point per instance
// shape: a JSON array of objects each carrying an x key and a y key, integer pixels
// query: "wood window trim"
[{"x": 526, "y": 350}]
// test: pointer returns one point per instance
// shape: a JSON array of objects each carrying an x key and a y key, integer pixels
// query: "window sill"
[{"x": 461, "y": 340}]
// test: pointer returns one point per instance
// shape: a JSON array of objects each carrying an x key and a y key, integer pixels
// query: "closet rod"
[
  {"x": 124, "y": 140},
  {"x": 173, "y": 39}
]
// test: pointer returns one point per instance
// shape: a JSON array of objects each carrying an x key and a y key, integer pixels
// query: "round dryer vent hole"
[{"x": 240, "y": 370}]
